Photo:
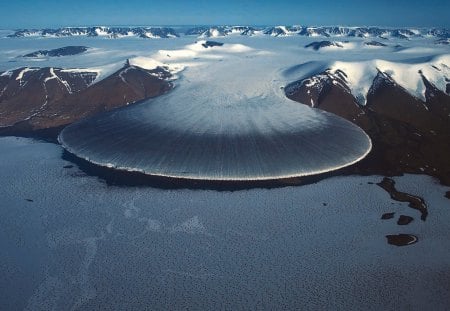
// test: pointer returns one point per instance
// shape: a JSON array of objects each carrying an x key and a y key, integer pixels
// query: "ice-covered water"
[
  {"x": 227, "y": 119},
  {"x": 70, "y": 242}
]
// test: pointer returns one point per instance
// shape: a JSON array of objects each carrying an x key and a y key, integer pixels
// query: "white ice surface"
[{"x": 83, "y": 244}]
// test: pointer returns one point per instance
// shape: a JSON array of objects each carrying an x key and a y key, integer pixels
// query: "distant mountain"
[
  {"x": 322, "y": 44},
  {"x": 362, "y": 32},
  {"x": 64, "y": 51},
  {"x": 374, "y": 43},
  {"x": 321, "y": 31},
  {"x": 110, "y": 32},
  {"x": 443, "y": 41},
  {"x": 219, "y": 31},
  {"x": 210, "y": 44},
  {"x": 280, "y": 31}
]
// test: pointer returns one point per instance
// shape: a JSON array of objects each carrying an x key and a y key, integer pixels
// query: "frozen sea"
[{"x": 70, "y": 242}]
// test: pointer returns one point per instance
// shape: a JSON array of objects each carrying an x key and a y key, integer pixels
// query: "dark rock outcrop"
[
  {"x": 210, "y": 44},
  {"x": 322, "y": 44},
  {"x": 374, "y": 43},
  {"x": 64, "y": 51}
]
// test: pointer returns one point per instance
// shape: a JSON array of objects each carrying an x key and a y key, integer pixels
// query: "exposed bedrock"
[
  {"x": 409, "y": 135},
  {"x": 64, "y": 51},
  {"x": 41, "y": 98}
]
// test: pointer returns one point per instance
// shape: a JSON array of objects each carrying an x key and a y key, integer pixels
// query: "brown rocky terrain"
[
  {"x": 43, "y": 98},
  {"x": 408, "y": 135}
]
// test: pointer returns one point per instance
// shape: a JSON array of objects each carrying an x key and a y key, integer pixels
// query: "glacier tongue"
[{"x": 227, "y": 119}]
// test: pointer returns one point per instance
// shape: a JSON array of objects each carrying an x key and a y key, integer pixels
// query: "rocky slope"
[
  {"x": 409, "y": 133},
  {"x": 40, "y": 98}
]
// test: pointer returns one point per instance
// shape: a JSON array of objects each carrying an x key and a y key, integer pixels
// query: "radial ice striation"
[{"x": 226, "y": 120}]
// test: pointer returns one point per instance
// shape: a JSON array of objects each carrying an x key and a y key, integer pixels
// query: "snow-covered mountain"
[
  {"x": 321, "y": 31},
  {"x": 360, "y": 78},
  {"x": 403, "y": 106},
  {"x": 111, "y": 32},
  {"x": 37, "y": 98},
  {"x": 219, "y": 31},
  {"x": 362, "y": 32}
]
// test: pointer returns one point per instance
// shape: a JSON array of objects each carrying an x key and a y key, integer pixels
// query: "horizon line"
[{"x": 218, "y": 25}]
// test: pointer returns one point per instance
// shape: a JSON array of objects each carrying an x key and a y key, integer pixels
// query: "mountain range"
[{"x": 218, "y": 31}]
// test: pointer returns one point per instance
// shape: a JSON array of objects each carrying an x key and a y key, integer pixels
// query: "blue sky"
[{"x": 52, "y": 13}]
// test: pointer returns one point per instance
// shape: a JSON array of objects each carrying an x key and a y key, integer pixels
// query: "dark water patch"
[
  {"x": 404, "y": 220},
  {"x": 414, "y": 202},
  {"x": 387, "y": 216},
  {"x": 401, "y": 239}
]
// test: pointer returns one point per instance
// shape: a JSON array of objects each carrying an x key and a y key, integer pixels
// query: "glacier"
[{"x": 227, "y": 119}]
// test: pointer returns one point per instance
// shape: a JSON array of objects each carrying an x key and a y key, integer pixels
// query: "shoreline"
[{"x": 117, "y": 177}]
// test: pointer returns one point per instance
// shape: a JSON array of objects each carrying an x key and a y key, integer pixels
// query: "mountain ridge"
[{"x": 217, "y": 31}]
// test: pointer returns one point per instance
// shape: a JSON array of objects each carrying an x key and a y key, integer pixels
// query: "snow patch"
[
  {"x": 149, "y": 63},
  {"x": 408, "y": 75},
  {"x": 20, "y": 75}
]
